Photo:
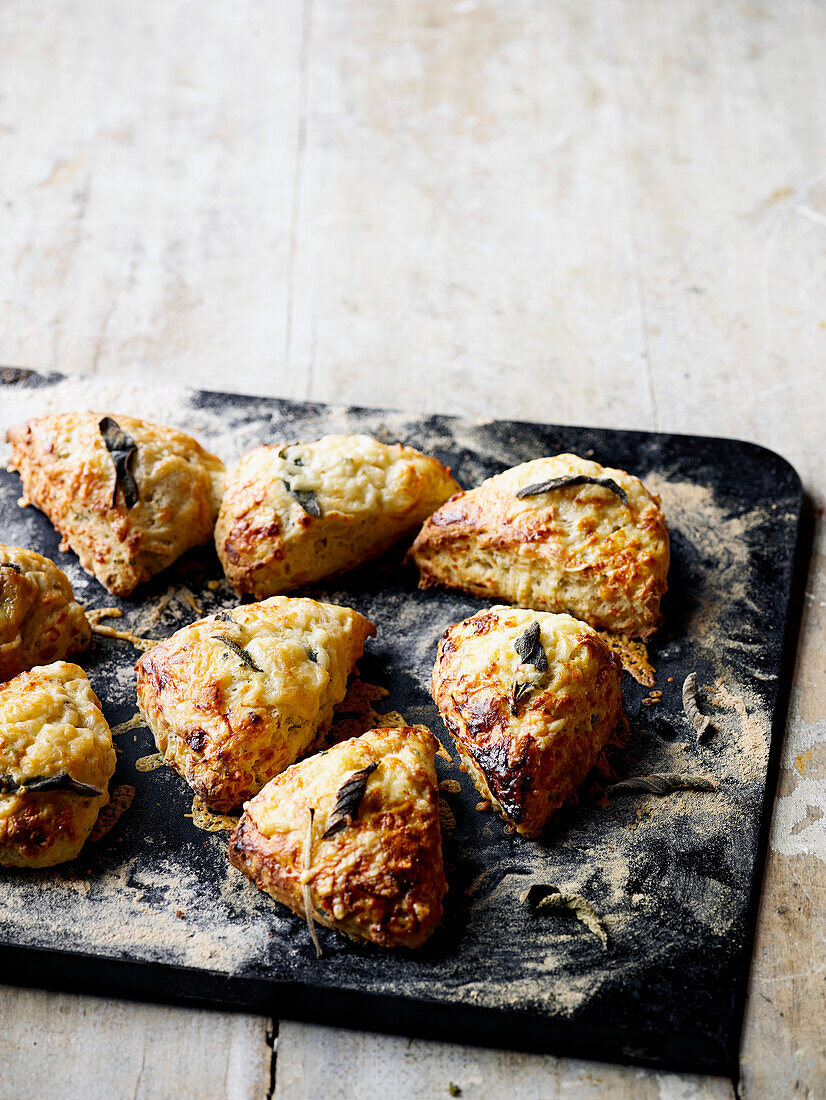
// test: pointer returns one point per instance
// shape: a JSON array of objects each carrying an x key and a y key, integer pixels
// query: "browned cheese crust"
[
  {"x": 51, "y": 730},
  {"x": 294, "y": 514},
  {"x": 528, "y": 735},
  {"x": 40, "y": 621},
  {"x": 580, "y": 548},
  {"x": 228, "y": 721},
  {"x": 380, "y": 877},
  {"x": 68, "y": 473}
]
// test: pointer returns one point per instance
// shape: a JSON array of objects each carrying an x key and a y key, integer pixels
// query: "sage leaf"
[{"x": 573, "y": 479}]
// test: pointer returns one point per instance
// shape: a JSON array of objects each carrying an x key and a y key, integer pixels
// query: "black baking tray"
[{"x": 154, "y": 910}]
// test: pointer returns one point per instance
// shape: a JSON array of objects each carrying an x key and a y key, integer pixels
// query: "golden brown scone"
[
  {"x": 234, "y": 699},
  {"x": 40, "y": 621},
  {"x": 531, "y": 700},
  {"x": 56, "y": 760},
  {"x": 128, "y": 512},
  {"x": 372, "y": 867},
  {"x": 597, "y": 551},
  {"x": 292, "y": 515}
]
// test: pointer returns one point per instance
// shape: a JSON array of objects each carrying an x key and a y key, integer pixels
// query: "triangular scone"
[
  {"x": 127, "y": 496},
  {"x": 556, "y": 534},
  {"x": 234, "y": 699},
  {"x": 40, "y": 621},
  {"x": 294, "y": 514},
  {"x": 371, "y": 866},
  {"x": 531, "y": 700},
  {"x": 56, "y": 760}
]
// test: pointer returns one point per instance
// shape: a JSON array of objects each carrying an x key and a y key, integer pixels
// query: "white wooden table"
[{"x": 609, "y": 214}]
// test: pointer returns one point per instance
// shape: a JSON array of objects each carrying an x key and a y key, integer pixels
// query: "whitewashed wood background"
[{"x": 608, "y": 213}]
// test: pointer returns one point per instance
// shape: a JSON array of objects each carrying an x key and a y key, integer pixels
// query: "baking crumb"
[
  {"x": 213, "y": 586},
  {"x": 670, "y": 680},
  {"x": 179, "y": 913},
  {"x": 482, "y": 807},
  {"x": 451, "y": 786}
]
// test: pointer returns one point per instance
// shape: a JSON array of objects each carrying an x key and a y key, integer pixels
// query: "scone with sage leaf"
[
  {"x": 531, "y": 700},
  {"x": 129, "y": 497},
  {"x": 40, "y": 620},
  {"x": 559, "y": 534},
  {"x": 56, "y": 760},
  {"x": 292, "y": 515},
  {"x": 350, "y": 838},
  {"x": 235, "y": 698}
]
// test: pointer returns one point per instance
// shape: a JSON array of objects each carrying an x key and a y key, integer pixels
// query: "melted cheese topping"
[
  {"x": 353, "y": 473},
  {"x": 50, "y": 721},
  {"x": 403, "y": 762},
  {"x": 490, "y": 659}
]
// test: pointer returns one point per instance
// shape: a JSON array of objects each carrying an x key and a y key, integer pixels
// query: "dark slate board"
[{"x": 675, "y": 879}]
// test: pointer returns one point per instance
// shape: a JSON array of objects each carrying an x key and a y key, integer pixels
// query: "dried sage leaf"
[
  {"x": 223, "y": 617},
  {"x": 519, "y": 693},
  {"x": 541, "y": 896},
  {"x": 123, "y": 449},
  {"x": 60, "y": 782},
  {"x": 573, "y": 479},
  {"x": 306, "y": 498},
  {"x": 306, "y": 895},
  {"x": 699, "y": 721},
  {"x": 348, "y": 801},
  {"x": 663, "y": 783},
  {"x": 239, "y": 652},
  {"x": 529, "y": 648}
]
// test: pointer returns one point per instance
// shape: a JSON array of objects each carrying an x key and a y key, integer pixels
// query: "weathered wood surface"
[{"x": 612, "y": 214}]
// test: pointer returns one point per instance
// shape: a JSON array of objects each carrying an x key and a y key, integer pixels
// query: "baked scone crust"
[
  {"x": 50, "y": 723},
  {"x": 68, "y": 473},
  {"x": 527, "y": 748},
  {"x": 380, "y": 877},
  {"x": 40, "y": 620},
  {"x": 579, "y": 549},
  {"x": 226, "y": 725},
  {"x": 360, "y": 496}
]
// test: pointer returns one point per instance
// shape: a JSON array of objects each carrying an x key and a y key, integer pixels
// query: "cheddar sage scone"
[
  {"x": 56, "y": 760},
  {"x": 234, "y": 699},
  {"x": 350, "y": 838},
  {"x": 531, "y": 700},
  {"x": 556, "y": 534},
  {"x": 292, "y": 515},
  {"x": 40, "y": 621},
  {"x": 129, "y": 497}
]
